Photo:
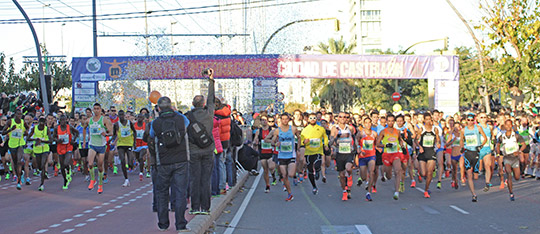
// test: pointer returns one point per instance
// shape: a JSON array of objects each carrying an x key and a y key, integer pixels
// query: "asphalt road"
[
  {"x": 447, "y": 211},
  {"x": 78, "y": 210}
]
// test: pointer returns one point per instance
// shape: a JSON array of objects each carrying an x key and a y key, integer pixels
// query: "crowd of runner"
[{"x": 408, "y": 147}]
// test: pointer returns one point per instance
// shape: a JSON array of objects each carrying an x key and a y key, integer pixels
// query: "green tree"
[
  {"x": 61, "y": 77},
  {"x": 339, "y": 94},
  {"x": 513, "y": 28}
]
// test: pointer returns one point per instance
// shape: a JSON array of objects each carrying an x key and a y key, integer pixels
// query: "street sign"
[{"x": 396, "y": 96}]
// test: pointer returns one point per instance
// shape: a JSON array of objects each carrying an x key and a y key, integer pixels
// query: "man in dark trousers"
[
  {"x": 201, "y": 156},
  {"x": 172, "y": 162}
]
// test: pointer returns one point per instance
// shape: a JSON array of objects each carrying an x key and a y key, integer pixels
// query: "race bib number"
[
  {"x": 95, "y": 130},
  {"x": 125, "y": 132},
  {"x": 266, "y": 146},
  {"x": 471, "y": 140},
  {"x": 286, "y": 147},
  {"x": 510, "y": 147},
  {"x": 344, "y": 148},
  {"x": 140, "y": 134},
  {"x": 64, "y": 139},
  {"x": 428, "y": 141},
  {"x": 456, "y": 142},
  {"x": 315, "y": 143},
  {"x": 367, "y": 145},
  {"x": 17, "y": 133},
  {"x": 393, "y": 149}
]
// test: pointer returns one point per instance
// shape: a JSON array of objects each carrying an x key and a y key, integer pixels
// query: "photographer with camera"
[
  {"x": 169, "y": 131},
  {"x": 201, "y": 147}
]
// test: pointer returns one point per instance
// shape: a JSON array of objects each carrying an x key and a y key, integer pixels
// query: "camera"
[{"x": 207, "y": 72}]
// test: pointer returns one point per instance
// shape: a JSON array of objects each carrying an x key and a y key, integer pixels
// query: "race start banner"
[{"x": 86, "y": 72}]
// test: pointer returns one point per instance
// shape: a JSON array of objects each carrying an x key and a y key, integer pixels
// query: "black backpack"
[
  {"x": 236, "y": 134},
  {"x": 171, "y": 136},
  {"x": 197, "y": 133}
]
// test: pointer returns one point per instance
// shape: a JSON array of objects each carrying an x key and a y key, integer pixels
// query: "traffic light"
[{"x": 48, "y": 87}]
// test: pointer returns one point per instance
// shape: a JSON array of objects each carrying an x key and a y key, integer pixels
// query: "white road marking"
[
  {"x": 105, "y": 204},
  {"x": 244, "y": 205},
  {"x": 97, "y": 207},
  {"x": 363, "y": 229},
  {"x": 459, "y": 209},
  {"x": 118, "y": 207},
  {"x": 68, "y": 230},
  {"x": 421, "y": 190},
  {"x": 132, "y": 200},
  {"x": 80, "y": 224},
  {"x": 91, "y": 220},
  {"x": 101, "y": 215},
  {"x": 55, "y": 225},
  {"x": 125, "y": 203},
  {"x": 66, "y": 220},
  {"x": 87, "y": 211},
  {"x": 78, "y": 215},
  {"x": 42, "y": 230},
  {"x": 430, "y": 210},
  {"x": 113, "y": 200},
  {"x": 110, "y": 210},
  {"x": 138, "y": 197}
]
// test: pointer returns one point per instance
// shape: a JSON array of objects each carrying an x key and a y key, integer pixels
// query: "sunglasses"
[{"x": 470, "y": 119}]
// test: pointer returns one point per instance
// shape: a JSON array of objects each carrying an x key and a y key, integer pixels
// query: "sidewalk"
[{"x": 200, "y": 223}]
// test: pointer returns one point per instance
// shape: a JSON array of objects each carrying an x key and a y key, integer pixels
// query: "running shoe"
[
  {"x": 92, "y": 184},
  {"x": 349, "y": 181},
  {"x": 439, "y": 185},
  {"x": 368, "y": 197},
  {"x": 512, "y": 197},
  {"x": 434, "y": 173},
  {"x": 301, "y": 177},
  {"x": 383, "y": 178},
  {"x": 55, "y": 170},
  {"x": 324, "y": 179},
  {"x": 274, "y": 182},
  {"x": 36, "y": 173},
  {"x": 315, "y": 191},
  {"x": 87, "y": 178},
  {"x": 284, "y": 188},
  {"x": 147, "y": 175},
  {"x": 462, "y": 182},
  {"x": 7, "y": 176},
  {"x": 19, "y": 186},
  {"x": 65, "y": 187},
  {"x": 28, "y": 181},
  {"x": 374, "y": 189},
  {"x": 413, "y": 184},
  {"x": 474, "y": 198},
  {"x": 194, "y": 212},
  {"x": 317, "y": 175},
  {"x": 396, "y": 195},
  {"x": 486, "y": 188},
  {"x": 501, "y": 186},
  {"x": 100, "y": 189},
  {"x": 115, "y": 170},
  {"x": 447, "y": 174},
  {"x": 359, "y": 182},
  {"x": 426, "y": 195},
  {"x": 204, "y": 212},
  {"x": 453, "y": 184},
  {"x": 349, "y": 194},
  {"x": 429, "y": 191},
  {"x": 14, "y": 178},
  {"x": 267, "y": 189},
  {"x": 420, "y": 179},
  {"x": 41, "y": 187},
  {"x": 456, "y": 185},
  {"x": 345, "y": 196},
  {"x": 401, "y": 187},
  {"x": 140, "y": 176},
  {"x": 126, "y": 183},
  {"x": 105, "y": 179},
  {"x": 290, "y": 197},
  {"x": 295, "y": 181}
]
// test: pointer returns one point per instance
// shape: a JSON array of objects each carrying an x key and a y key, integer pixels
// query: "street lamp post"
[
  {"x": 294, "y": 22},
  {"x": 172, "y": 42},
  {"x": 62, "y": 37}
]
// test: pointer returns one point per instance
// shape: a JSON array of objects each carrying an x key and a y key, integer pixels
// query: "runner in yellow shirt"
[{"x": 314, "y": 138}]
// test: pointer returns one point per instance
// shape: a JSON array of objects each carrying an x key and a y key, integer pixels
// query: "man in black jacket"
[
  {"x": 172, "y": 158},
  {"x": 202, "y": 158}
]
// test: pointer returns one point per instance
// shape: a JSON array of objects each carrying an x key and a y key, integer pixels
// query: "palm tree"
[{"x": 339, "y": 94}]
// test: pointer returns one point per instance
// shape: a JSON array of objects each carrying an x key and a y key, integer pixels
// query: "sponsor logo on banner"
[
  {"x": 93, "y": 65},
  {"x": 85, "y": 98},
  {"x": 115, "y": 71},
  {"x": 93, "y": 76}
]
